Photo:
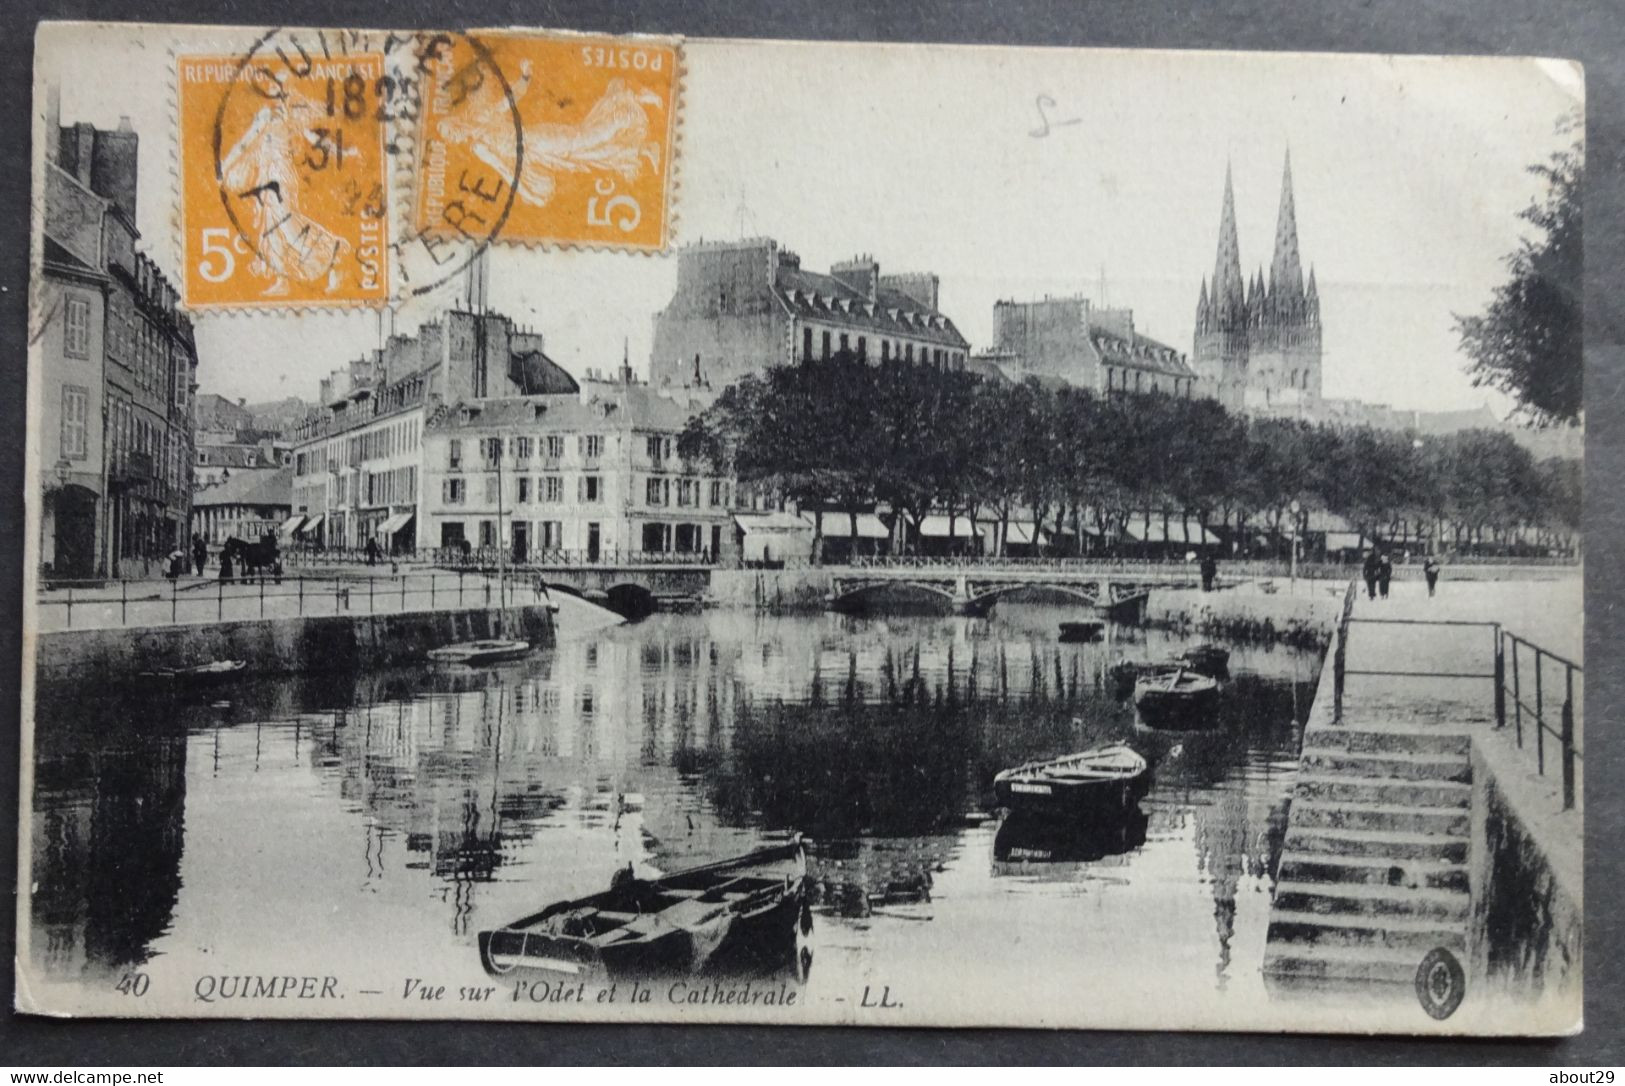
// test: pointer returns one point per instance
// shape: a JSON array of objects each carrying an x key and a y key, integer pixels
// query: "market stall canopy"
[
  {"x": 936, "y": 526},
  {"x": 840, "y": 524},
  {"x": 1138, "y": 530},
  {"x": 395, "y": 523},
  {"x": 771, "y": 522}
]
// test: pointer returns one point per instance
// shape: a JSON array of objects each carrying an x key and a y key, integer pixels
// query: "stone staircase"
[{"x": 1373, "y": 871}]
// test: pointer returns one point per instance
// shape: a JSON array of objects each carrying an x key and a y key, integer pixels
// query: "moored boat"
[
  {"x": 1107, "y": 780},
  {"x": 1089, "y": 629},
  {"x": 198, "y": 674},
  {"x": 1122, "y": 674},
  {"x": 743, "y": 912},
  {"x": 1177, "y": 698},
  {"x": 490, "y": 651},
  {"x": 1209, "y": 660}
]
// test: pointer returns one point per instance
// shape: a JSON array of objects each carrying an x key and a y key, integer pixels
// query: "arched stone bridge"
[{"x": 970, "y": 590}]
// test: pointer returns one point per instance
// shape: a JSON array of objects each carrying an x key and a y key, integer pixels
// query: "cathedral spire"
[
  {"x": 1286, "y": 273},
  {"x": 1229, "y": 298}
]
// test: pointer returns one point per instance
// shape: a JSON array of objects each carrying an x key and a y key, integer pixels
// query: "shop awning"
[
  {"x": 291, "y": 525},
  {"x": 771, "y": 522},
  {"x": 1020, "y": 533},
  {"x": 1343, "y": 541},
  {"x": 312, "y": 524},
  {"x": 936, "y": 526},
  {"x": 840, "y": 524},
  {"x": 1138, "y": 530},
  {"x": 395, "y": 524}
]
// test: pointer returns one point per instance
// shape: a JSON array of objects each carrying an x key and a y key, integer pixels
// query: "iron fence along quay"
[
  {"x": 103, "y": 604},
  {"x": 1540, "y": 661}
]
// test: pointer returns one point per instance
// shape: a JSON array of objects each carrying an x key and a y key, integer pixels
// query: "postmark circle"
[
  {"x": 1441, "y": 983},
  {"x": 416, "y": 65}
]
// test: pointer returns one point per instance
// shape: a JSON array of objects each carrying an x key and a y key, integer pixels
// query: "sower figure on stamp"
[{"x": 263, "y": 166}]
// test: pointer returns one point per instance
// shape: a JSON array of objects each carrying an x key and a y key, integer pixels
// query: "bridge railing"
[
  {"x": 1227, "y": 570},
  {"x": 119, "y": 603},
  {"x": 1542, "y": 687}
]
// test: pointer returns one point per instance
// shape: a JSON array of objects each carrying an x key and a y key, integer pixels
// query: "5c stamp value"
[
  {"x": 283, "y": 178},
  {"x": 592, "y": 155}
]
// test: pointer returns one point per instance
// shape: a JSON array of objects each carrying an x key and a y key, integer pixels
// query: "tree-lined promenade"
[{"x": 1069, "y": 465}]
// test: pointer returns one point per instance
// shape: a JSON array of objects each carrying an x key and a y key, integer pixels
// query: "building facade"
[
  {"x": 592, "y": 476},
  {"x": 1257, "y": 345},
  {"x": 357, "y": 460},
  {"x": 248, "y": 506},
  {"x": 1071, "y": 341},
  {"x": 741, "y": 307},
  {"x": 118, "y": 369}
]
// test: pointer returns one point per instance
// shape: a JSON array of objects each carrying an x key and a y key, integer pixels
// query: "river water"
[{"x": 372, "y": 824}]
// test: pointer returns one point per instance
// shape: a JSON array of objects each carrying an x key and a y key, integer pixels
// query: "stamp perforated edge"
[
  {"x": 236, "y": 41},
  {"x": 674, "y": 136}
]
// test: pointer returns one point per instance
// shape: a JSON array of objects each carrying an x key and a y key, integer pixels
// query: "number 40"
[{"x": 133, "y": 984}]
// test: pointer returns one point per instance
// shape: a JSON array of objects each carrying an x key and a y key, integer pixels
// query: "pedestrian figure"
[
  {"x": 225, "y": 566},
  {"x": 1370, "y": 572},
  {"x": 200, "y": 553},
  {"x": 1210, "y": 571},
  {"x": 177, "y": 565},
  {"x": 1385, "y": 573},
  {"x": 1430, "y": 569},
  {"x": 372, "y": 552}
]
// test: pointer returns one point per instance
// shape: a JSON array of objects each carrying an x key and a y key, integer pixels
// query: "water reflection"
[{"x": 412, "y": 807}]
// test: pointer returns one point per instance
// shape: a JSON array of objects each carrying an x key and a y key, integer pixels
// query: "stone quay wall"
[
  {"x": 1247, "y": 613},
  {"x": 280, "y": 645}
]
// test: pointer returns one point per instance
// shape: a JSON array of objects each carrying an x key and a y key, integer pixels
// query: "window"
[
  {"x": 76, "y": 328},
  {"x": 552, "y": 488},
  {"x": 591, "y": 446},
  {"x": 491, "y": 449},
  {"x": 555, "y": 447},
  {"x": 863, "y": 348},
  {"x": 826, "y": 347},
  {"x": 654, "y": 493},
  {"x": 454, "y": 454},
  {"x": 524, "y": 489},
  {"x": 843, "y": 343},
  {"x": 806, "y": 343},
  {"x": 658, "y": 448},
  {"x": 591, "y": 489},
  {"x": 717, "y": 493},
  {"x": 75, "y": 416},
  {"x": 885, "y": 350},
  {"x": 688, "y": 492},
  {"x": 521, "y": 449},
  {"x": 491, "y": 493},
  {"x": 908, "y": 353},
  {"x": 488, "y": 533},
  {"x": 552, "y": 535},
  {"x": 452, "y": 491}
]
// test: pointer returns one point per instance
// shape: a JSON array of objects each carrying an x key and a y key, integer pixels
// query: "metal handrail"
[
  {"x": 193, "y": 599},
  {"x": 1568, "y": 749}
]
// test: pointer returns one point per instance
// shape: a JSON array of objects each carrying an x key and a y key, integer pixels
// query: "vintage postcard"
[{"x": 528, "y": 524}]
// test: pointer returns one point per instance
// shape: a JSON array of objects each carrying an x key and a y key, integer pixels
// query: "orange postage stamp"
[
  {"x": 283, "y": 178},
  {"x": 584, "y": 127}
]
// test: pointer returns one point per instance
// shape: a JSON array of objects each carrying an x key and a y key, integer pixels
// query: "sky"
[{"x": 1408, "y": 176}]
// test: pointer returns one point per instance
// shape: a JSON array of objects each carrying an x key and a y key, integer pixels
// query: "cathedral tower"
[{"x": 1258, "y": 344}]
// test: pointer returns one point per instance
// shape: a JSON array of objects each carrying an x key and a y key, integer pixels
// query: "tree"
[{"x": 1527, "y": 342}]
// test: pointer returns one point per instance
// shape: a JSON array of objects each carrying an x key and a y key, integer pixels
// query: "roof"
[
  {"x": 815, "y": 296},
  {"x": 537, "y": 375},
  {"x": 247, "y": 457},
  {"x": 249, "y": 488},
  {"x": 60, "y": 257},
  {"x": 1141, "y": 353},
  {"x": 600, "y": 406}
]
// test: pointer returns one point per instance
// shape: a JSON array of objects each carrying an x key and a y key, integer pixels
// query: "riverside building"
[
  {"x": 118, "y": 368},
  {"x": 358, "y": 458},
  {"x": 1072, "y": 341},
  {"x": 743, "y": 306},
  {"x": 590, "y": 476}
]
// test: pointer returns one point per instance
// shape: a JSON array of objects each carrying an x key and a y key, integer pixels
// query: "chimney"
[
  {"x": 861, "y": 273},
  {"x": 113, "y": 166}
]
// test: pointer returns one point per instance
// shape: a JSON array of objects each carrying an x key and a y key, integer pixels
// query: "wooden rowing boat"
[
  {"x": 1178, "y": 698},
  {"x": 1209, "y": 660},
  {"x": 744, "y": 912},
  {"x": 1104, "y": 781},
  {"x": 491, "y": 651}
]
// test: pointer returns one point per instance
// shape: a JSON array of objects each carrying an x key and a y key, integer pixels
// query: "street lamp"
[{"x": 1294, "y": 507}]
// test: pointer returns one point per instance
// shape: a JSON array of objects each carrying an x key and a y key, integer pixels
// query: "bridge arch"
[
  {"x": 630, "y": 601},
  {"x": 859, "y": 596}
]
